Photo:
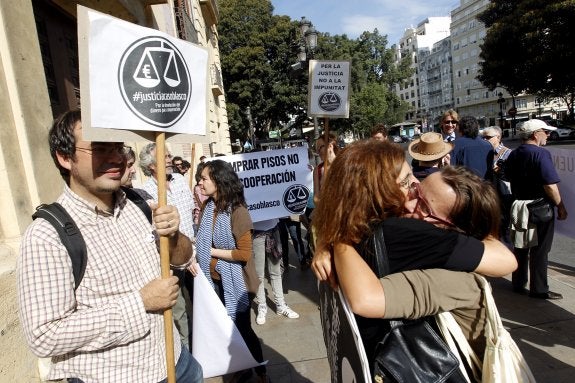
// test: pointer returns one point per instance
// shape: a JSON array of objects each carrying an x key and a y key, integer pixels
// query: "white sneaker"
[
  {"x": 287, "y": 312},
  {"x": 261, "y": 317}
]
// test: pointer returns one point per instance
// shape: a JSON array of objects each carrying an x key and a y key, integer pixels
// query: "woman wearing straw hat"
[{"x": 430, "y": 153}]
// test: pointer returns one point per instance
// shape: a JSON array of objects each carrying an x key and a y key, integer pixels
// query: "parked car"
[{"x": 562, "y": 132}]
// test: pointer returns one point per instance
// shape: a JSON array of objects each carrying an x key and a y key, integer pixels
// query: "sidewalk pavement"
[{"x": 544, "y": 330}]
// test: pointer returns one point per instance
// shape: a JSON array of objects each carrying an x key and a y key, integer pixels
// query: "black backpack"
[{"x": 70, "y": 234}]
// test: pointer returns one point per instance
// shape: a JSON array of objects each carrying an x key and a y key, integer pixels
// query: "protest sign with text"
[
  {"x": 277, "y": 183},
  {"x": 564, "y": 161},
  {"x": 139, "y": 79},
  {"x": 328, "y": 93}
]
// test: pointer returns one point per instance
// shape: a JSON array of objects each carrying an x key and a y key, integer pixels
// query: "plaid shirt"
[
  {"x": 179, "y": 195},
  {"x": 100, "y": 332}
]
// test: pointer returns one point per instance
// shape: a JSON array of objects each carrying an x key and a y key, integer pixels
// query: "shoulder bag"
[
  {"x": 503, "y": 362},
  {"x": 411, "y": 352},
  {"x": 540, "y": 211}
]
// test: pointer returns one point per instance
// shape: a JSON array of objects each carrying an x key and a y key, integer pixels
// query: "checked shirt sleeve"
[{"x": 48, "y": 311}]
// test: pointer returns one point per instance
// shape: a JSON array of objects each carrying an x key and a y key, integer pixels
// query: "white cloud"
[
  {"x": 356, "y": 24},
  {"x": 393, "y": 17}
]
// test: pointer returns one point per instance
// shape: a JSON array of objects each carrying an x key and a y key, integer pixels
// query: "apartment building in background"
[
  {"x": 436, "y": 82},
  {"x": 422, "y": 37},
  {"x": 446, "y": 76}
]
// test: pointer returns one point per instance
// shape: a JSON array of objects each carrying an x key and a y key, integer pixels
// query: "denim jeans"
[{"x": 188, "y": 370}]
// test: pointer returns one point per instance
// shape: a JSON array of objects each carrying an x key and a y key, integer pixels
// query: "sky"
[{"x": 352, "y": 17}]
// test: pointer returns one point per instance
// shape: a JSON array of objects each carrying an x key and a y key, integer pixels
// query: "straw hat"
[{"x": 429, "y": 147}]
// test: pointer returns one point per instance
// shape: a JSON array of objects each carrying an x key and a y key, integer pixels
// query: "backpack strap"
[
  {"x": 69, "y": 235},
  {"x": 140, "y": 202}
]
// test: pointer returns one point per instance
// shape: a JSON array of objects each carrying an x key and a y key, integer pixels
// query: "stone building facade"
[{"x": 39, "y": 78}]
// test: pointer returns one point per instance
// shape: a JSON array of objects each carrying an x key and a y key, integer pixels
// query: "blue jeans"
[{"x": 188, "y": 370}]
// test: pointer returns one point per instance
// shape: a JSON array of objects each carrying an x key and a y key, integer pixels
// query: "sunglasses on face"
[{"x": 450, "y": 122}]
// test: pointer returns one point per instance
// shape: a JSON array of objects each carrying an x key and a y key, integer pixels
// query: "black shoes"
[
  {"x": 547, "y": 295},
  {"x": 520, "y": 291}
]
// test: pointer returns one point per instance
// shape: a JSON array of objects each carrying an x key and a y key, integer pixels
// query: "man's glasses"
[
  {"x": 424, "y": 210},
  {"x": 488, "y": 137},
  {"x": 450, "y": 122},
  {"x": 105, "y": 150}
]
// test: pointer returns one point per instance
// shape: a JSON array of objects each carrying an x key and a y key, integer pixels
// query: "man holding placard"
[{"x": 110, "y": 328}]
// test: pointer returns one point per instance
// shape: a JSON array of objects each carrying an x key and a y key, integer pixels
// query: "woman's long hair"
[
  {"x": 230, "y": 190},
  {"x": 360, "y": 188},
  {"x": 477, "y": 210}
]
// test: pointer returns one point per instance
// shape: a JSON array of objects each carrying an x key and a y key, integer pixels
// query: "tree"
[
  {"x": 257, "y": 50},
  {"x": 528, "y": 46}
]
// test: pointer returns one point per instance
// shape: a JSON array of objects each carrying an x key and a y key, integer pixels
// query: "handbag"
[
  {"x": 540, "y": 211},
  {"x": 412, "y": 351},
  {"x": 503, "y": 362}
]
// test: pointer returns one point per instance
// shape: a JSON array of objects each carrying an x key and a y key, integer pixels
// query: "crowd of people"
[{"x": 452, "y": 214}]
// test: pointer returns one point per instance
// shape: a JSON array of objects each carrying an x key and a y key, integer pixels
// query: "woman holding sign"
[{"x": 224, "y": 246}]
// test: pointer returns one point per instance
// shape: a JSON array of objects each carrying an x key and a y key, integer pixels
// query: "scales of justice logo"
[
  {"x": 329, "y": 101},
  {"x": 295, "y": 198},
  {"x": 155, "y": 81}
]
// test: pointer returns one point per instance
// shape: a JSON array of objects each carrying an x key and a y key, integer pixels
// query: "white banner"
[
  {"x": 277, "y": 183},
  {"x": 140, "y": 79},
  {"x": 564, "y": 161},
  {"x": 328, "y": 93},
  {"x": 217, "y": 344}
]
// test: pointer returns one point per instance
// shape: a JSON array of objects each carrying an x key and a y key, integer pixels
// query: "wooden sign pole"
[
  {"x": 326, "y": 135},
  {"x": 165, "y": 255},
  {"x": 192, "y": 171}
]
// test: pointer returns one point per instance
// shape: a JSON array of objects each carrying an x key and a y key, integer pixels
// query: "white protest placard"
[
  {"x": 139, "y": 79},
  {"x": 564, "y": 162},
  {"x": 328, "y": 93},
  {"x": 277, "y": 183},
  {"x": 219, "y": 335}
]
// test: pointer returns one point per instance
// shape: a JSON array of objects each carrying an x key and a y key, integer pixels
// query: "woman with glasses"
[
  {"x": 449, "y": 121},
  {"x": 381, "y": 193}
]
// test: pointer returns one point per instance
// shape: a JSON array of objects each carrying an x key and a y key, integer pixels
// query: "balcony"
[
  {"x": 186, "y": 29},
  {"x": 217, "y": 82},
  {"x": 210, "y": 11}
]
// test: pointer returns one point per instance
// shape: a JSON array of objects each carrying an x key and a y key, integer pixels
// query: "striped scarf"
[{"x": 235, "y": 293}]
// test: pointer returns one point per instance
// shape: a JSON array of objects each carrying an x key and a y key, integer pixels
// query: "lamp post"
[
  {"x": 539, "y": 101},
  {"x": 306, "y": 48},
  {"x": 250, "y": 126},
  {"x": 500, "y": 101}
]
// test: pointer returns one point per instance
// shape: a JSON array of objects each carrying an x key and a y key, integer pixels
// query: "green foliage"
[
  {"x": 529, "y": 47},
  {"x": 257, "y": 50}
]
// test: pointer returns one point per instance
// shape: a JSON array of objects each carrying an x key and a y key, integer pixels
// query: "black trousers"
[
  {"x": 533, "y": 261},
  {"x": 244, "y": 324}
]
